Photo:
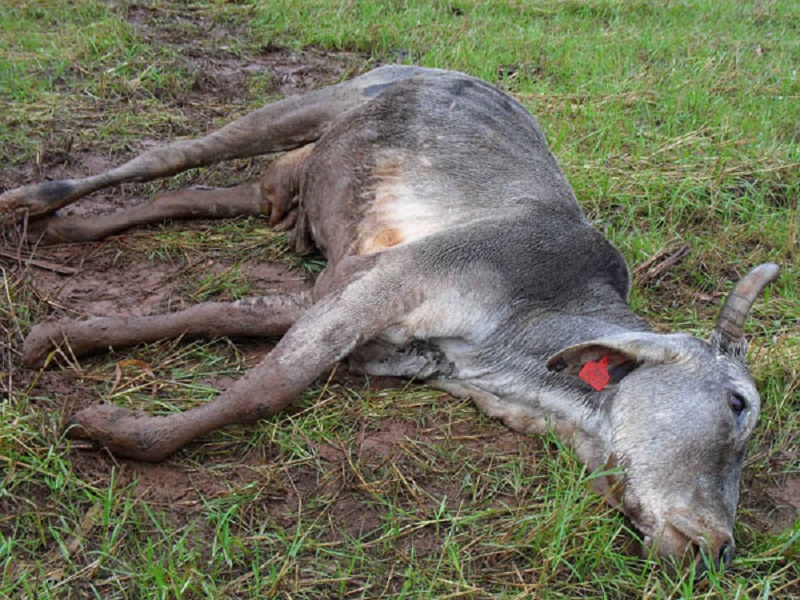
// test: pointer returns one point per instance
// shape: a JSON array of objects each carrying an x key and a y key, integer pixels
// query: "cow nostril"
[
  {"x": 725, "y": 556},
  {"x": 721, "y": 561}
]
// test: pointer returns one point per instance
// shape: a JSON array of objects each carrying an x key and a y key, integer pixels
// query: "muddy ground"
[{"x": 113, "y": 277}]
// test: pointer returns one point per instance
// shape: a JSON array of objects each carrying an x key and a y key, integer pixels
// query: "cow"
[{"x": 457, "y": 254}]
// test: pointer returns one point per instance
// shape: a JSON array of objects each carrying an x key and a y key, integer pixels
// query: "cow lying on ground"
[{"x": 458, "y": 255}]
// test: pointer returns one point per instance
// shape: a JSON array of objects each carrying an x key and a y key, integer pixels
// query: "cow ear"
[{"x": 608, "y": 360}]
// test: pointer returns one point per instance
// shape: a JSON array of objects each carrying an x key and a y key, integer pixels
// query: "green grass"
[{"x": 676, "y": 123}]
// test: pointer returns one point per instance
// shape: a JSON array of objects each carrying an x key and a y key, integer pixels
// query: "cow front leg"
[
  {"x": 326, "y": 333},
  {"x": 263, "y": 316}
]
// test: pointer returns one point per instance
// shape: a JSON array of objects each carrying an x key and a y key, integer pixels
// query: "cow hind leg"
[
  {"x": 278, "y": 127},
  {"x": 274, "y": 197}
]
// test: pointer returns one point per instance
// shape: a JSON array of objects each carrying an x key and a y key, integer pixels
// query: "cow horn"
[{"x": 728, "y": 334}]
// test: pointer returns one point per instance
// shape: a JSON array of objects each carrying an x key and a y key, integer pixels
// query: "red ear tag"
[{"x": 595, "y": 373}]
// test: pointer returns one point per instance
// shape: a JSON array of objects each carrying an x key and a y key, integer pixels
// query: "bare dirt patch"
[
  {"x": 109, "y": 282},
  {"x": 220, "y": 74},
  {"x": 786, "y": 496}
]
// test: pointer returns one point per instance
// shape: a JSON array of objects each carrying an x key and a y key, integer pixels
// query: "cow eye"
[{"x": 737, "y": 403}]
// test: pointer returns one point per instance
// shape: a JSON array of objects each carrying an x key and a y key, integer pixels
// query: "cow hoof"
[
  {"x": 123, "y": 432},
  {"x": 41, "y": 340}
]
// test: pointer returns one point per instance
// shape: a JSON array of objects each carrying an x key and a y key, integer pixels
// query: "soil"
[{"x": 105, "y": 279}]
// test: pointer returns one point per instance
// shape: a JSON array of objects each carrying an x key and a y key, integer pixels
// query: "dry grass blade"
[{"x": 656, "y": 267}]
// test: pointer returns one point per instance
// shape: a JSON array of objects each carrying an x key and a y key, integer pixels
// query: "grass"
[{"x": 676, "y": 123}]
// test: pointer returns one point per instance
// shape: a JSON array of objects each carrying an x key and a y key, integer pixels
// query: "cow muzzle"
[{"x": 684, "y": 543}]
